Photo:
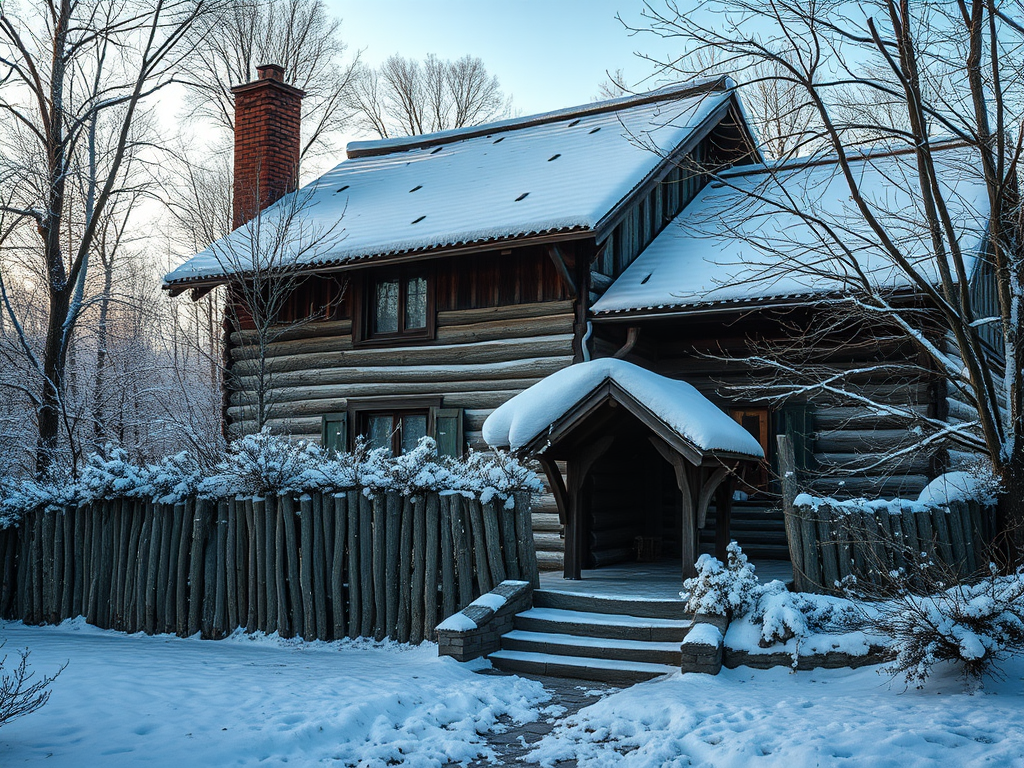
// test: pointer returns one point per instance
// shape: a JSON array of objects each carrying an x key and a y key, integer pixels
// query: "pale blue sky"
[{"x": 546, "y": 53}]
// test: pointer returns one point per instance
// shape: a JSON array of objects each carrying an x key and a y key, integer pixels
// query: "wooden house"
[{"x": 466, "y": 266}]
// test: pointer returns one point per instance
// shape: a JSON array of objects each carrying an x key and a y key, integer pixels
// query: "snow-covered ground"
[
  {"x": 743, "y": 717},
  {"x": 163, "y": 701}
]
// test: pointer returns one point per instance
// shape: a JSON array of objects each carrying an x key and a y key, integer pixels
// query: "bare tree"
[
  {"x": 942, "y": 70},
  {"x": 21, "y": 692},
  {"x": 299, "y": 35},
  {"x": 405, "y": 97},
  {"x": 613, "y": 86},
  {"x": 68, "y": 69},
  {"x": 263, "y": 261}
]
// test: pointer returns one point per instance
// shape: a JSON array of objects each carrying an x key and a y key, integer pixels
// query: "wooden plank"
[
  {"x": 252, "y": 622},
  {"x": 181, "y": 586},
  {"x": 448, "y": 582},
  {"x": 340, "y": 514},
  {"x": 788, "y": 481},
  {"x": 297, "y": 608},
  {"x": 525, "y": 541},
  {"x": 479, "y": 544},
  {"x": 419, "y": 523},
  {"x": 195, "y": 573},
  {"x": 366, "y": 565},
  {"x": 827, "y": 547},
  {"x": 405, "y": 572},
  {"x": 430, "y": 573},
  {"x": 220, "y": 608},
  {"x": 268, "y": 516},
  {"x": 463, "y": 550},
  {"x": 509, "y": 548},
  {"x": 306, "y": 566},
  {"x": 284, "y": 617},
  {"x": 355, "y": 604},
  {"x": 319, "y": 569},
  {"x": 379, "y": 565},
  {"x": 392, "y": 540},
  {"x": 492, "y": 541}
]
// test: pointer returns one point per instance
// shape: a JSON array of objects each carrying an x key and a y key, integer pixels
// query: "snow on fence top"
[
  {"x": 544, "y": 173},
  {"x": 265, "y": 464},
  {"x": 946, "y": 489},
  {"x": 685, "y": 410},
  {"x": 741, "y": 240}
]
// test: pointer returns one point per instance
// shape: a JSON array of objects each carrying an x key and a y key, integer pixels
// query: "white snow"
[
  {"x": 555, "y": 638},
  {"x": 490, "y": 600},
  {"x": 605, "y": 619},
  {"x": 679, "y": 405},
  {"x": 529, "y": 175},
  {"x": 703, "y": 633},
  {"x": 742, "y": 718},
  {"x": 583, "y": 661},
  {"x": 164, "y": 701},
  {"x": 957, "y": 486},
  {"x": 457, "y": 622},
  {"x": 728, "y": 245}
]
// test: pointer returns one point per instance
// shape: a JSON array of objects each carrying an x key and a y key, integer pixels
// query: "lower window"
[{"x": 398, "y": 431}]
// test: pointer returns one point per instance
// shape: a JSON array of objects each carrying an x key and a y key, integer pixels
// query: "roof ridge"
[{"x": 355, "y": 149}]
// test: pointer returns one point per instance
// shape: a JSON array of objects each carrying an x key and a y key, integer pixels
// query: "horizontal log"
[
  {"x": 915, "y": 463},
  {"x": 431, "y": 354},
  {"x": 505, "y": 312},
  {"x": 309, "y": 330},
  {"x": 474, "y": 418},
  {"x": 306, "y": 400},
  {"x": 335, "y": 343},
  {"x": 863, "y": 440},
  {"x": 505, "y": 328},
  {"x": 537, "y": 367},
  {"x": 904, "y": 486},
  {"x": 858, "y": 417}
]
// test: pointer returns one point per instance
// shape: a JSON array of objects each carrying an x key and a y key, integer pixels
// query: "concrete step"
[
  {"x": 570, "y": 601},
  {"x": 605, "y": 625},
  {"x": 647, "y": 651},
  {"x": 604, "y": 670}
]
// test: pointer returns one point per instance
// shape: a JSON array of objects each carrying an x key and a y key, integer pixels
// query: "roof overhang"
[{"x": 609, "y": 392}]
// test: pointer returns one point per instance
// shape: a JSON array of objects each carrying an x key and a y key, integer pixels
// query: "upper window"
[{"x": 397, "y": 305}]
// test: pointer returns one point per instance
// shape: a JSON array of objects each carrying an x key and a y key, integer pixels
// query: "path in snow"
[{"x": 567, "y": 698}]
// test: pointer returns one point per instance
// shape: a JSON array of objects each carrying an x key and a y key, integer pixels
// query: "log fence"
[{"x": 322, "y": 566}]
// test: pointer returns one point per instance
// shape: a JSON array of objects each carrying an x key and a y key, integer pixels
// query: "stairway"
[
  {"x": 614, "y": 640},
  {"x": 759, "y": 529}
]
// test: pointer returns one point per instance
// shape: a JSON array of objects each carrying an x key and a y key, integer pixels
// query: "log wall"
[{"x": 322, "y": 566}]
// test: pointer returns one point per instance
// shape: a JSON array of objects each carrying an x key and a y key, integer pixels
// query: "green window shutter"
[
  {"x": 334, "y": 432},
  {"x": 797, "y": 421},
  {"x": 448, "y": 431}
]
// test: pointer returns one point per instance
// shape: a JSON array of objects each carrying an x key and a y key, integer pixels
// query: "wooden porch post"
[
  {"x": 577, "y": 470},
  {"x": 723, "y": 514}
]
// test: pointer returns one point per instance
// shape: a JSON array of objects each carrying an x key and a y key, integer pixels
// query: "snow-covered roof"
[
  {"x": 739, "y": 240},
  {"x": 677, "y": 404},
  {"x": 558, "y": 171}
]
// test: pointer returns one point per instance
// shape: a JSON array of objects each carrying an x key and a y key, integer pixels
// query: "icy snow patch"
[
  {"x": 703, "y": 633},
  {"x": 957, "y": 486}
]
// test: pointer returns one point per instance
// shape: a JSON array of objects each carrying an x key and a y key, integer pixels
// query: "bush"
[
  {"x": 719, "y": 589},
  {"x": 973, "y": 626},
  {"x": 20, "y": 692}
]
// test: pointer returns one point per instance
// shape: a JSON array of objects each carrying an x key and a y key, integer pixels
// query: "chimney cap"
[{"x": 270, "y": 72}]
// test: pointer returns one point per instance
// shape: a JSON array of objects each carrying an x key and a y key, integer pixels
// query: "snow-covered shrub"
[
  {"x": 729, "y": 589},
  {"x": 784, "y": 615},
  {"x": 264, "y": 463},
  {"x": 110, "y": 475},
  {"x": 971, "y": 625},
  {"x": 21, "y": 496}
]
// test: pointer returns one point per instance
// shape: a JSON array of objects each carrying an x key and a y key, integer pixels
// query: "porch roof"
[{"x": 534, "y": 419}]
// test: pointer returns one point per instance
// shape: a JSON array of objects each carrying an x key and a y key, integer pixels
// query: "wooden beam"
[
  {"x": 706, "y": 491},
  {"x": 197, "y": 293},
  {"x": 688, "y": 522},
  {"x": 557, "y": 485},
  {"x": 563, "y": 270},
  {"x": 723, "y": 515},
  {"x": 577, "y": 469}
]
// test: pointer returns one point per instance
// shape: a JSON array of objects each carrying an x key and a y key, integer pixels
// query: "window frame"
[
  {"x": 361, "y": 408},
  {"x": 755, "y": 480},
  {"x": 365, "y": 299}
]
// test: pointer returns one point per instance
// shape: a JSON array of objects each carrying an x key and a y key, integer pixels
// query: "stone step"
[
  {"x": 647, "y": 651},
  {"x": 604, "y": 670},
  {"x": 615, "y": 626},
  {"x": 570, "y": 601}
]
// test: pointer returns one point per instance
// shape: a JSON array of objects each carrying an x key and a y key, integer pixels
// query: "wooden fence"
[
  {"x": 828, "y": 543},
  {"x": 323, "y": 566}
]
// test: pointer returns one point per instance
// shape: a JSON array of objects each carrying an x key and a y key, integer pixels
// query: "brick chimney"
[{"x": 267, "y": 120}]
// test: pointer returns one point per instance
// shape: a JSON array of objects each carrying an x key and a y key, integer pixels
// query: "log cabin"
[{"x": 440, "y": 276}]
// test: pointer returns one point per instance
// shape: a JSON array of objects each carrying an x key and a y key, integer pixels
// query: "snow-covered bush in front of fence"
[
  {"x": 973, "y": 626},
  {"x": 263, "y": 464},
  {"x": 722, "y": 589}
]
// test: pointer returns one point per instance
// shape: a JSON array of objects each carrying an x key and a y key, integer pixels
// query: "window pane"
[
  {"x": 413, "y": 428},
  {"x": 385, "y": 307},
  {"x": 380, "y": 428},
  {"x": 416, "y": 303}
]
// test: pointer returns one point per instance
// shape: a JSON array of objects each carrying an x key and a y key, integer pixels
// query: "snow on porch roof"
[
  {"x": 730, "y": 246},
  {"x": 548, "y": 173},
  {"x": 677, "y": 404}
]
